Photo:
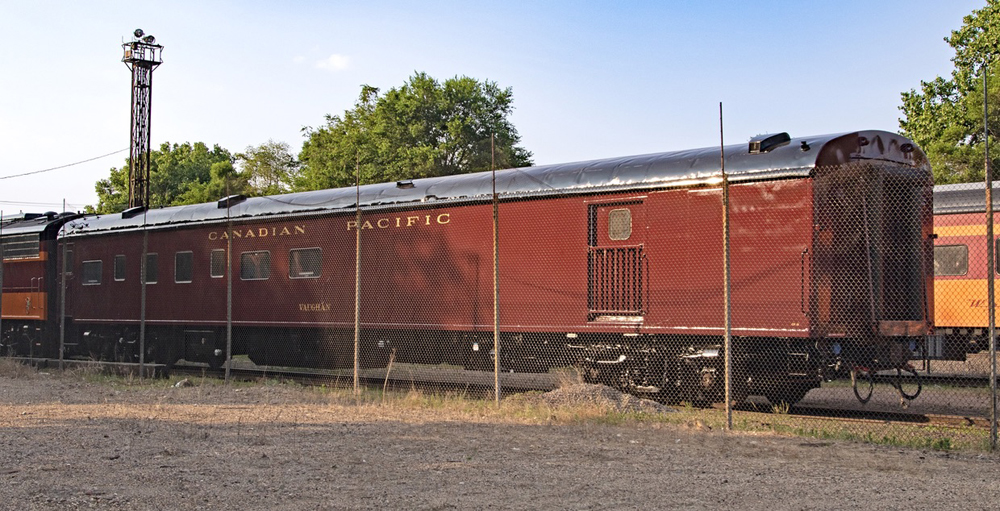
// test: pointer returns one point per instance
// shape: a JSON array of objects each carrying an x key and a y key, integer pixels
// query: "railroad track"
[
  {"x": 883, "y": 416},
  {"x": 481, "y": 384},
  {"x": 469, "y": 382},
  {"x": 955, "y": 380}
]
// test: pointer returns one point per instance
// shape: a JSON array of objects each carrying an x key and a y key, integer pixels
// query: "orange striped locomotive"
[{"x": 614, "y": 265}]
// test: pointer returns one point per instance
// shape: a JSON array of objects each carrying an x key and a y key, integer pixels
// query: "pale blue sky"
[{"x": 590, "y": 79}]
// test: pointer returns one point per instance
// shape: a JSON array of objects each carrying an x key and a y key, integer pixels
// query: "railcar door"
[{"x": 616, "y": 261}]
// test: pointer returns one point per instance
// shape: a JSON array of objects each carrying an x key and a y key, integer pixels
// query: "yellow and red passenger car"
[{"x": 960, "y": 269}]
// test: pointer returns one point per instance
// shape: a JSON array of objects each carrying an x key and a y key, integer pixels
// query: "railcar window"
[
  {"x": 305, "y": 263},
  {"x": 255, "y": 265},
  {"x": 218, "y": 263},
  {"x": 68, "y": 261},
  {"x": 21, "y": 246},
  {"x": 152, "y": 268},
  {"x": 620, "y": 224},
  {"x": 183, "y": 263},
  {"x": 951, "y": 260},
  {"x": 119, "y": 268},
  {"x": 995, "y": 247},
  {"x": 92, "y": 272}
]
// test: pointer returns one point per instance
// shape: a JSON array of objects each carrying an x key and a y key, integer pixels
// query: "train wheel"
[
  {"x": 215, "y": 362},
  {"x": 702, "y": 385},
  {"x": 789, "y": 393},
  {"x": 125, "y": 352}
]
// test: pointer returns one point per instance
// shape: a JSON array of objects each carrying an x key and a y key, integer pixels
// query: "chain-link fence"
[{"x": 854, "y": 289}]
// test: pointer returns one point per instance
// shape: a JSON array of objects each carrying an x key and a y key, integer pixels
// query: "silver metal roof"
[
  {"x": 964, "y": 198},
  {"x": 32, "y": 223},
  {"x": 796, "y": 158}
]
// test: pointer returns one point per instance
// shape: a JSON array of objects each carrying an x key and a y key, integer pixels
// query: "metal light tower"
[{"x": 142, "y": 56}]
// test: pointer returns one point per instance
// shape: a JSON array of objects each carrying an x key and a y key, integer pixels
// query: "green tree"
[
  {"x": 422, "y": 129},
  {"x": 269, "y": 168},
  {"x": 179, "y": 174},
  {"x": 945, "y": 117}
]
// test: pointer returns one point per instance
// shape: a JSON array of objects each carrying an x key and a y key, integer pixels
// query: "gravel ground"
[{"x": 66, "y": 443}]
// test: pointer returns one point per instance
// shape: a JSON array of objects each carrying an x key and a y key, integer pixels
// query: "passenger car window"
[
  {"x": 305, "y": 263},
  {"x": 255, "y": 265},
  {"x": 152, "y": 269},
  {"x": 995, "y": 247},
  {"x": 119, "y": 268},
  {"x": 951, "y": 260},
  {"x": 92, "y": 272},
  {"x": 68, "y": 261},
  {"x": 218, "y": 263},
  {"x": 183, "y": 262}
]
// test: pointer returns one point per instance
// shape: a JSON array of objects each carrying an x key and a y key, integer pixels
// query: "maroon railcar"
[{"x": 614, "y": 265}]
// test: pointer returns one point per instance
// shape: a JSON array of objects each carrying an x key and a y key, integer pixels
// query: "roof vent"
[
  {"x": 133, "y": 212},
  {"x": 765, "y": 143},
  {"x": 406, "y": 183},
  {"x": 232, "y": 200}
]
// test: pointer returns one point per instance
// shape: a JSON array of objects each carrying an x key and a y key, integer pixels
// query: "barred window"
[
  {"x": 619, "y": 224},
  {"x": 92, "y": 272},
  {"x": 305, "y": 263},
  {"x": 255, "y": 265},
  {"x": 950, "y": 260},
  {"x": 21, "y": 246}
]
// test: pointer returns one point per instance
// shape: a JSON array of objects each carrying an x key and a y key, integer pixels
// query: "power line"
[
  {"x": 64, "y": 166},
  {"x": 59, "y": 204}
]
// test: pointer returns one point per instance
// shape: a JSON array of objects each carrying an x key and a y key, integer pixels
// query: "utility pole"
[{"x": 142, "y": 56}]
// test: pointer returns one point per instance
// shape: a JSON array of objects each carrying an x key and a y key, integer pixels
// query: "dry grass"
[
  {"x": 11, "y": 368},
  {"x": 267, "y": 400},
  {"x": 567, "y": 376}
]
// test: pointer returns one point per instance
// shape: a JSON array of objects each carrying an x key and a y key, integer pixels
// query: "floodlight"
[
  {"x": 149, "y": 39},
  {"x": 138, "y": 33}
]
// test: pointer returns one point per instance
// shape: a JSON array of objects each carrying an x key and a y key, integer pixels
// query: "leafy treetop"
[
  {"x": 422, "y": 129},
  {"x": 945, "y": 117}
]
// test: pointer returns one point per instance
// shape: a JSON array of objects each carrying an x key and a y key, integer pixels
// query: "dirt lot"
[{"x": 68, "y": 442}]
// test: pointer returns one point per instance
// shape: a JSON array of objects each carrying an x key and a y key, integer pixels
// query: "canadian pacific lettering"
[
  {"x": 258, "y": 232},
  {"x": 401, "y": 221}
]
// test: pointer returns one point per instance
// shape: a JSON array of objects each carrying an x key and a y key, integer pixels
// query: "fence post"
[
  {"x": 357, "y": 274},
  {"x": 728, "y": 344},
  {"x": 496, "y": 277},
  {"x": 62, "y": 303},
  {"x": 142, "y": 297},
  {"x": 229, "y": 284},
  {"x": 990, "y": 275},
  {"x": 1, "y": 289}
]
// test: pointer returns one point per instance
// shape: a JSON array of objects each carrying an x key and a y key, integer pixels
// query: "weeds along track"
[
  {"x": 478, "y": 384},
  {"x": 434, "y": 379}
]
